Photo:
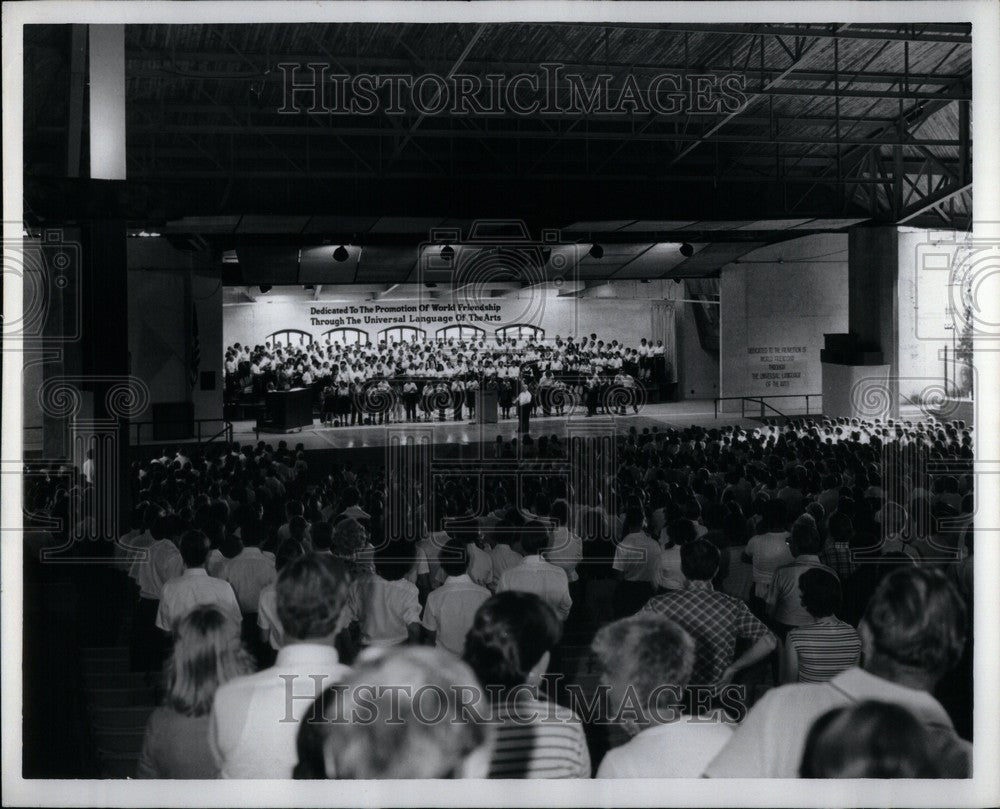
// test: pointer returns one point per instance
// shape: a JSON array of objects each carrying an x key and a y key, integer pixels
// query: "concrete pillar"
[{"x": 873, "y": 299}]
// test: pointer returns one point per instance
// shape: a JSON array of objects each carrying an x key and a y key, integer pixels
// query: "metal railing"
[
  {"x": 760, "y": 400},
  {"x": 227, "y": 429}
]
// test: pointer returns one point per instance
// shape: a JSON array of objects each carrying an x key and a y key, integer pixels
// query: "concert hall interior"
[{"x": 662, "y": 378}]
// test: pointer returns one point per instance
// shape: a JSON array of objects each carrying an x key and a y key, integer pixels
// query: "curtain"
[{"x": 664, "y": 327}]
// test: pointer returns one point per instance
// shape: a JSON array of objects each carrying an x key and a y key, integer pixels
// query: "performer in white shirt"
[{"x": 524, "y": 409}]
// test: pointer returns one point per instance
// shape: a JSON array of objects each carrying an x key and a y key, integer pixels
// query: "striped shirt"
[
  {"x": 785, "y": 596},
  {"x": 825, "y": 649},
  {"x": 538, "y": 739}
]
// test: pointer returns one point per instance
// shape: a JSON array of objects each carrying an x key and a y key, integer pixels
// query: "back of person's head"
[
  {"x": 432, "y": 728},
  {"x": 454, "y": 558},
  {"x": 215, "y": 530},
  {"x": 820, "y": 591},
  {"x": 775, "y": 515},
  {"x": 511, "y": 634},
  {"x": 699, "y": 560},
  {"x": 681, "y": 532},
  {"x": 692, "y": 509},
  {"x": 206, "y": 654},
  {"x": 194, "y": 547},
  {"x": 253, "y": 532},
  {"x": 164, "y": 527},
  {"x": 287, "y": 551},
  {"x": 394, "y": 559},
  {"x": 915, "y": 620},
  {"x": 297, "y": 526},
  {"x": 294, "y": 508},
  {"x": 633, "y": 518},
  {"x": 348, "y": 537},
  {"x": 311, "y": 592},
  {"x": 649, "y": 655},
  {"x": 805, "y": 537},
  {"x": 350, "y": 497},
  {"x": 533, "y": 537},
  {"x": 321, "y": 534},
  {"x": 840, "y": 527},
  {"x": 868, "y": 740},
  {"x": 560, "y": 512}
]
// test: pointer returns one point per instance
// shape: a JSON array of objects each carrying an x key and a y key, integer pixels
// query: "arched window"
[
  {"x": 290, "y": 337},
  {"x": 349, "y": 337},
  {"x": 522, "y": 331},
  {"x": 461, "y": 333},
  {"x": 401, "y": 334}
]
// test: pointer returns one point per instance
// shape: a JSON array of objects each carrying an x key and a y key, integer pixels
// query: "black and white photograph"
[{"x": 595, "y": 402}]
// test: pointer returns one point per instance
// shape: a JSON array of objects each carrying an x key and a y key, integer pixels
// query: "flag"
[{"x": 195, "y": 348}]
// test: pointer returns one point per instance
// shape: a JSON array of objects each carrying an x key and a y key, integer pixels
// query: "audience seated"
[{"x": 825, "y": 531}]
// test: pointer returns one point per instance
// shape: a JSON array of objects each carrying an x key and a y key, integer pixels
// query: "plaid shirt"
[
  {"x": 838, "y": 556},
  {"x": 715, "y": 620}
]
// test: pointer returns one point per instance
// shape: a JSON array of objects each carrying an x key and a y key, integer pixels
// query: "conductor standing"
[{"x": 523, "y": 409}]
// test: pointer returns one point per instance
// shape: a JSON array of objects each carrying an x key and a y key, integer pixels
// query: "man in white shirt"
[
  {"x": 646, "y": 662},
  {"x": 385, "y": 605},
  {"x": 255, "y": 719},
  {"x": 450, "y": 609},
  {"x": 194, "y": 586},
  {"x": 636, "y": 560},
  {"x": 535, "y": 575},
  {"x": 566, "y": 548},
  {"x": 251, "y": 570},
  {"x": 911, "y": 636}
]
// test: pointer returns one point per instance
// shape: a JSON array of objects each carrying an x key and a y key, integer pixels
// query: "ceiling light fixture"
[
  {"x": 687, "y": 250},
  {"x": 447, "y": 252},
  {"x": 596, "y": 251},
  {"x": 341, "y": 254}
]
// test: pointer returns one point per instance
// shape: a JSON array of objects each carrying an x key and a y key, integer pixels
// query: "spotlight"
[
  {"x": 596, "y": 251},
  {"x": 341, "y": 254},
  {"x": 687, "y": 250},
  {"x": 264, "y": 288},
  {"x": 447, "y": 252}
]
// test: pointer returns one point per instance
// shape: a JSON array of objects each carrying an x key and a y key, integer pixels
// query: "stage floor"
[{"x": 669, "y": 414}]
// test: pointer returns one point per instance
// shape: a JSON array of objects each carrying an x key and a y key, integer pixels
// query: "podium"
[
  {"x": 289, "y": 409},
  {"x": 486, "y": 406}
]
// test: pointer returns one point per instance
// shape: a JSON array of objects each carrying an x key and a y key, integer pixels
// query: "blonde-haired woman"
[{"x": 207, "y": 653}]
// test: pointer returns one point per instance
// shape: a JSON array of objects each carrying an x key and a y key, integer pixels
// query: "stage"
[{"x": 699, "y": 412}]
